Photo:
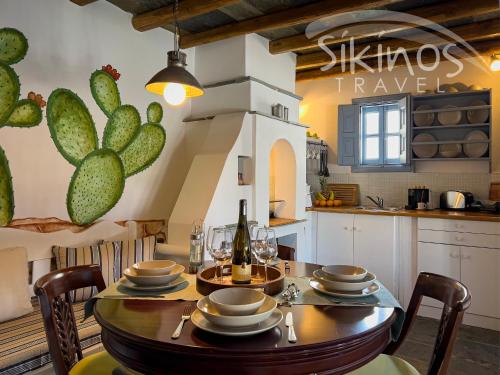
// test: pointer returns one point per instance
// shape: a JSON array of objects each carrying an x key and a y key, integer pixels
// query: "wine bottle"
[{"x": 241, "y": 268}]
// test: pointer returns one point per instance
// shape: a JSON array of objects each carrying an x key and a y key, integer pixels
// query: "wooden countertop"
[
  {"x": 280, "y": 221},
  {"x": 433, "y": 214}
]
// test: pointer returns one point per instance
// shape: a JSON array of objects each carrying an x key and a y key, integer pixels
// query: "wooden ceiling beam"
[
  {"x": 437, "y": 13},
  {"x": 187, "y": 9},
  {"x": 83, "y": 2},
  {"x": 280, "y": 19},
  {"x": 428, "y": 57},
  {"x": 470, "y": 32}
]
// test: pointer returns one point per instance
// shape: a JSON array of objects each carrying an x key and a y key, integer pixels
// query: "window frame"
[{"x": 382, "y": 164}]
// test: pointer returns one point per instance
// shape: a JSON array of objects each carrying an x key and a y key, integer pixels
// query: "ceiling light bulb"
[
  {"x": 174, "y": 94},
  {"x": 495, "y": 63}
]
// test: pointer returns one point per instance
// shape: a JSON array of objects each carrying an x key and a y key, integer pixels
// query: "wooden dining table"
[{"x": 330, "y": 339}]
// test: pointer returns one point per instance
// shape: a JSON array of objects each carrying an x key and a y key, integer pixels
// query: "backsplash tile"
[{"x": 393, "y": 187}]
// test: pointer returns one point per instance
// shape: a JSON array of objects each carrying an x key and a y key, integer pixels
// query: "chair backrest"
[
  {"x": 53, "y": 291},
  {"x": 456, "y": 299}
]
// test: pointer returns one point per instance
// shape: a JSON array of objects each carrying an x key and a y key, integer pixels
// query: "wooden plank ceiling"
[{"x": 283, "y": 22}]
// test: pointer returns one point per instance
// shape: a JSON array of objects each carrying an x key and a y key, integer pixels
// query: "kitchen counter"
[
  {"x": 433, "y": 214},
  {"x": 279, "y": 221}
]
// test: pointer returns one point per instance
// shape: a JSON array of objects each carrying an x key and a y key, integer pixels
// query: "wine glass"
[
  {"x": 266, "y": 247},
  {"x": 220, "y": 247},
  {"x": 254, "y": 229}
]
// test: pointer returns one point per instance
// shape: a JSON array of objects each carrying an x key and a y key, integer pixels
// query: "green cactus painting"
[
  {"x": 127, "y": 146},
  {"x": 23, "y": 113}
]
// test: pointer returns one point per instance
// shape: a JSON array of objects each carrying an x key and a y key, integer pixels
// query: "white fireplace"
[{"x": 237, "y": 149}]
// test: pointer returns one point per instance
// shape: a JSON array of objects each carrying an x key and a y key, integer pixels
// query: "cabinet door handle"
[
  {"x": 460, "y": 226},
  {"x": 460, "y": 239},
  {"x": 345, "y": 228},
  {"x": 454, "y": 256},
  {"x": 466, "y": 257}
]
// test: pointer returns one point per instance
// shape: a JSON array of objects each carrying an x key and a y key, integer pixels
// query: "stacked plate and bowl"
[
  {"x": 154, "y": 275},
  {"x": 344, "y": 281},
  {"x": 236, "y": 312}
]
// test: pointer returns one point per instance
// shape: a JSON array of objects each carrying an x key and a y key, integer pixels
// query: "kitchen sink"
[{"x": 378, "y": 209}]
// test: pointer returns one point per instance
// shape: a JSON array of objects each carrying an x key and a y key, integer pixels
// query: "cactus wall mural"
[
  {"x": 127, "y": 147},
  {"x": 24, "y": 113}
]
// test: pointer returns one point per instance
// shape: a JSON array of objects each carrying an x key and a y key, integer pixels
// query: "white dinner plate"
[
  {"x": 450, "y": 150},
  {"x": 476, "y": 150},
  {"x": 202, "y": 323},
  {"x": 132, "y": 275},
  {"x": 210, "y": 313},
  {"x": 478, "y": 116},
  {"x": 151, "y": 288},
  {"x": 345, "y": 286},
  {"x": 449, "y": 117},
  {"x": 423, "y": 119},
  {"x": 425, "y": 151},
  {"x": 372, "y": 289}
]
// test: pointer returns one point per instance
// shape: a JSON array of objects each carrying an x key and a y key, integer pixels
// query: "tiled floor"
[{"x": 476, "y": 351}]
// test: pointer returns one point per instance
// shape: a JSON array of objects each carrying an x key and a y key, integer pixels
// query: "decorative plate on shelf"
[
  {"x": 425, "y": 151},
  {"x": 447, "y": 118},
  {"x": 476, "y": 150},
  {"x": 450, "y": 150},
  {"x": 423, "y": 119},
  {"x": 478, "y": 116}
]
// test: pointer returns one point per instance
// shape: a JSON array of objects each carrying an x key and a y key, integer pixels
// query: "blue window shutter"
[{"x": 348, "y": 135}]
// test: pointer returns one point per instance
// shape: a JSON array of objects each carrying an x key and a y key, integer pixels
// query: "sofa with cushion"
[{"x": 29, "y": 250}]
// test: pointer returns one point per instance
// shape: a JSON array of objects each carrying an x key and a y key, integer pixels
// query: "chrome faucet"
[{"x": 378, "y": 201}]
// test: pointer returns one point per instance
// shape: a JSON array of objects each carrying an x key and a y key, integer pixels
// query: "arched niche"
[{"x": 282, "y": 179}]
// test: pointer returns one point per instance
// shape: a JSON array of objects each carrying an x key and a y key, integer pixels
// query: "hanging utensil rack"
[{"x": 317, "y": 155}]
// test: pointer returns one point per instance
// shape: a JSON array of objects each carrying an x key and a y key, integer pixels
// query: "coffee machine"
[{"x": 419, "y": 198}]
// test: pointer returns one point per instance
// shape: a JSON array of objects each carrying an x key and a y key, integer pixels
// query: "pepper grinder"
[{"x": 196, "y": 246}]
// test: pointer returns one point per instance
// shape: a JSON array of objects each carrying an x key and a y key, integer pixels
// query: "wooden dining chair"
[
  {"x": 456, "y": 299},
  {"x": 53, "y": 291}
]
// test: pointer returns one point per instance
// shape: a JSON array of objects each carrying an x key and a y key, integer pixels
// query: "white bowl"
[
  {"x": 214, "y": 316},
  {"x": 154, "y": 267},
  {"x": 237, "y": 301},
  {"x": 141, "y": 280},
  {"x": 345, "y": 272},
  {"x": 343, "y": 286}
]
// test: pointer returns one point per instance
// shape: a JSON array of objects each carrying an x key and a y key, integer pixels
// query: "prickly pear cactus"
[
  {"x": 26, "y": 114},
  {"x": 144, "y": 149},
  {"x": 13, "y": 48},
  {"x": 127, "y": 147},
  {"x": 13, "y": 45},
  {"x": 155, "y": 113},
  {"x": 96, "y": 186},
  {"x": 13, "y": 112},
  {"x": 121, "y": 128},
  {"x": 6, "y": 192},
  {"x": 71, "y": 126},
  {"x": 105, "y": 91}
]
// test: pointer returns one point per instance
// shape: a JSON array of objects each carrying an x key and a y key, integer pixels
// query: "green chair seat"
[
  {"x": 100, "y": 364},
  {"x": 386, "y": 365}
]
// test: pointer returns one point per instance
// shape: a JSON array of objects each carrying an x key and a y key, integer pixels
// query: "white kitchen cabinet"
[
  {"x": 334, "y": 238},
  {"x": 439, "y": 259},
  {"x": 470, "y": 253},
  {"x": 480, "y": 273},
  {"x": 375, "y": 248},
  {"x": 311, "y": 230}
]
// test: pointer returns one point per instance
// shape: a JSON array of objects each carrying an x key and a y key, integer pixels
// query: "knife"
[{"x": 289, "y": 324}]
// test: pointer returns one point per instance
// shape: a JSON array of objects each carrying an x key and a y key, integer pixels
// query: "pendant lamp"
[{"x": 174, "y": 82}]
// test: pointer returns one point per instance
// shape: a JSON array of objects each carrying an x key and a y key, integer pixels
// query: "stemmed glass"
[
  {"x": 254, "y": 229},
  {"x": 220, "y": 247},
  {"x": 266, "y": 247}
]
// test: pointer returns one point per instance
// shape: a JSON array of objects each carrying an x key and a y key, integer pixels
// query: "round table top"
[{"x": 138, "y": 333}]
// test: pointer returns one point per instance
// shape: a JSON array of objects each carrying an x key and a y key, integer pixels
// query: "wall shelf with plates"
[{"x": 451, "y": 126}]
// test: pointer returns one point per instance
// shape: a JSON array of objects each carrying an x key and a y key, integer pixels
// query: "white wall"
[{"x": 66, "y": 43}]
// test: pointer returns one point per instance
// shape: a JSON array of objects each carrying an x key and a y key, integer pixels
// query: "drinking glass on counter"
[
  {"x": 220, "y": 247},
  {"x": 266, "y": 247}
]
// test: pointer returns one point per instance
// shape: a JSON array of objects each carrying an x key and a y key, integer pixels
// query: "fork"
[{"x": 186, "y": 314}]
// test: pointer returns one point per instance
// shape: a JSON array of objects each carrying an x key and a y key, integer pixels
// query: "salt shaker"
[{"x": 196, "y": 246}]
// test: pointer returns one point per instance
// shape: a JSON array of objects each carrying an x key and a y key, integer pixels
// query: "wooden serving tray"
[{"x": 206, "y": 284}]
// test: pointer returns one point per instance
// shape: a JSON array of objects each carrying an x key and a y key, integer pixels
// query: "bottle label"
[{"x": 241, "y": 274}]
